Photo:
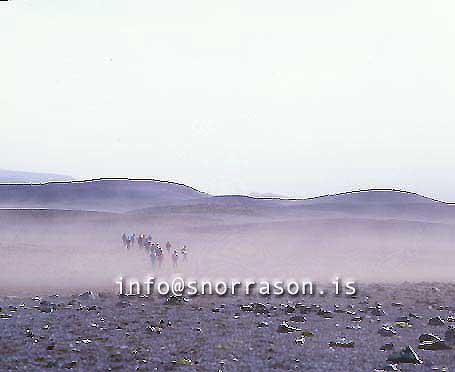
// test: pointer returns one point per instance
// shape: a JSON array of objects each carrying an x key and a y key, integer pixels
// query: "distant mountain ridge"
[
  {"x": 108, "y": 195},
  {"x": 9, "y": 176},
  {"x": 126, "y": 195}
]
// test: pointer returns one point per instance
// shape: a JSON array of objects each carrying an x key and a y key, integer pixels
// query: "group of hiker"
[{"x": 154, "y": 250}]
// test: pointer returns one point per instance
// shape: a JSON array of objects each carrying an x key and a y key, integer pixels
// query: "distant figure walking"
[
  {"x": 168, "y": 247},
  {"x": 175, "y": 258},
  {"x": 184, "y": 252},
  {"x": 159, "y": 255},
  {"x": 153, "y": 257}
]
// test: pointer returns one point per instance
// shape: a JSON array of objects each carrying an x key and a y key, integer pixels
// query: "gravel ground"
[{"x": 210, "y": 333}]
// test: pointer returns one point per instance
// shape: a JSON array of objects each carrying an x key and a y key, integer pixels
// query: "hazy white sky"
[{"x": 299, "y": 97}]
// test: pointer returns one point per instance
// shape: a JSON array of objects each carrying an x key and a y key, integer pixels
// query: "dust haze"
[{"x": 375, "y": 236}]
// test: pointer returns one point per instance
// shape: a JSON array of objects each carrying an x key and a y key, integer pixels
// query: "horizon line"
[{"x": 224, "y": 195}]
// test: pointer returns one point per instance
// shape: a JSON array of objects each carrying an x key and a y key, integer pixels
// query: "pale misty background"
[{"x": 295, "y": 98}]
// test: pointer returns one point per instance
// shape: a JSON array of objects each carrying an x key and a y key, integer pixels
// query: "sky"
[{"x": 297, "y": 98}]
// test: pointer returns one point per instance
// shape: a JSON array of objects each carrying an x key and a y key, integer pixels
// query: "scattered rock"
[
  {"x": 403, "y": 319},
  {"x": 388, "y": 346},
  {"x": 406, "y": 355},
  {"x": 435, "y": 345},
  {"x": 256, "y": 307},
  {"x": 436, "y": 321},
  {"x": 286, "y": 328},
  {"x": 259, "y": 308},
  {"x": 155, "y": 329},
  {"x": 342, "y": 343},
  {"x": 428, "y": 337},
  {"x": 288, "y": 309},
  {"x": 184, "y": 362},
  {"x": 47, "y": 307},
  {"x": 70, "y": 365},
  {"x": 403, "y": 325},
  {"x": 388, "y": 367},
  {"x": 387, "y": 331},
  {"x": 89, "y": 295},
  {"x": 325, "y": 313},
  {"x": 378, "y": 311},
  {"x": 297, "y": 318},
  {"x": 176, "y": 300},
  {"x": 246, "y": 308}
]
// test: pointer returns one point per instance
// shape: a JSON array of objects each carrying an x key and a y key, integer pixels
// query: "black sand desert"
[{"x": 61, "y": 240}]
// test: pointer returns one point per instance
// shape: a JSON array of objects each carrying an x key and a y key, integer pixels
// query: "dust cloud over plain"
[{"x": 59, "y": 251}]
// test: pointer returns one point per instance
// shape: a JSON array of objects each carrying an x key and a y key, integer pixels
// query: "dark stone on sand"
[
  {"x": 289, "y": 309},
  {"x": 387, "y": 331},
  {"x": 325, "y": 313},
  {"x": 386, "y": 347},
  {"x": 155, "y": 329},
  {"x": 259, "y": 308},
  {"x": 256, "y": 307},
  {"x": 406, "y": 355},
  {"x": 47, "y": 307},
  {"x": 435, "y": 345},
  {"x": 305, "y": 309},
  {"x": 70, "y": 365},
  {"x": 176, "y": 300},
  {"x": 403, "y": 319},
  {"x": 263, "y": 324},
  {"x": 436, "y": 321},
  {"x": 297, "y": 318},
  {"x": 428, "y": 337},
  {"x": 89, "y": 295},
  {"x": 183, "y": 362},
  {"x": 388, "y": 367},
  {"x": 342, "y": 343},
  {"x": 286, "y": 328},
  {"x": 377, "y": 311},
  {"x": 116, "y": 357}
]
